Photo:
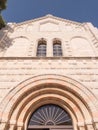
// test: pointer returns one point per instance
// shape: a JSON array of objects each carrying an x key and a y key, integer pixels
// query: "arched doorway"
[
  {"x": 50, "y": 117},
  {"x": 19, "y": 104}
]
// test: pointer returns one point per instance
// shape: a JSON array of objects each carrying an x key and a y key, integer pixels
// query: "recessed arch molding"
[{"x": 18, "y": 105}]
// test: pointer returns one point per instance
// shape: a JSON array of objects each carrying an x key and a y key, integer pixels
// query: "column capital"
[
  {"x": 81, "y": 124},
  {"x": 20, "y": 124},
  {"x": 88, "y": 122},
  {"x": 12, "y": 122}
]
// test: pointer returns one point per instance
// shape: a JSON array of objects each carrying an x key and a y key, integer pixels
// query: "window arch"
[
  {"x": 41, "y": 49},
  {"x": 57, "y": 49},
  {"x": 50, "y": 115}
]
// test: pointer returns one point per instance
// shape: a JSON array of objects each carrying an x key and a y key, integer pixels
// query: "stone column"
[
  {"x": 4, "y": 126},
  {"x": 90, "y": 127},
  {"x": 12, "y": 127},
  {"x": 81, "y": 126},
  {"x": 19, "y": 128},
  {"x": 96, "y": 125}
]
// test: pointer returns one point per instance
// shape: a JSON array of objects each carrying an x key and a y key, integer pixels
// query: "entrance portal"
[{"x": 50, "y": 117}]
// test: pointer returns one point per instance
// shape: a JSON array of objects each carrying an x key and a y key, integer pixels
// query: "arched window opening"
[
  {"x": 57, "y": 49},
  {"x": 41, "y": 49},
  {"x": 49, "y": 116}
]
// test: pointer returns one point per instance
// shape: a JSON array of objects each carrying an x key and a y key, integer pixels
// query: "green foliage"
[
  {"x": 2, "y": 23},
  {"x": 2, "y": 7},
  {"x": 2, "y": 4}
]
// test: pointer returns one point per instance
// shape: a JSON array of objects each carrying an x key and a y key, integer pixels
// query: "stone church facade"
[{"x": 49, "y": 75}]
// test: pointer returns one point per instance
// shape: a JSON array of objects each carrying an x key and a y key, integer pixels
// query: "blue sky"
[{"x": 75, "y": 10}]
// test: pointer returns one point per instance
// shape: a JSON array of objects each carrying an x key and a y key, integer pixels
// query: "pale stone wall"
[
  {"x": 12, "y": 71},
  {"x": 77, "y": 39},
  {"x": 18, "y": 61}
]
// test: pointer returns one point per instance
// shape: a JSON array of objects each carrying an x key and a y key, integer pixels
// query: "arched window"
[
  {"x": 57, "y": 49},
  {"x": 41, "y": 49},
  {"x": 50, "y": 115}
]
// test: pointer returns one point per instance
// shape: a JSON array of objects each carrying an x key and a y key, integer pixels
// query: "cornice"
[
  {"x": 48, "y": 58},
  {"x": 50, "y": 16}
]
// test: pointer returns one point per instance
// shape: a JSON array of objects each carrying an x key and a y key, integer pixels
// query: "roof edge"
[{"x": 50, "y": 16}]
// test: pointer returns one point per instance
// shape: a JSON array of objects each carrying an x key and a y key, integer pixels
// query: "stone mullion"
[{"x": 49, "y": 48}]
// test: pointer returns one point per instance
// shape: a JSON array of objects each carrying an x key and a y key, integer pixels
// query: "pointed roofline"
[{"x": 50, "y": 16}]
